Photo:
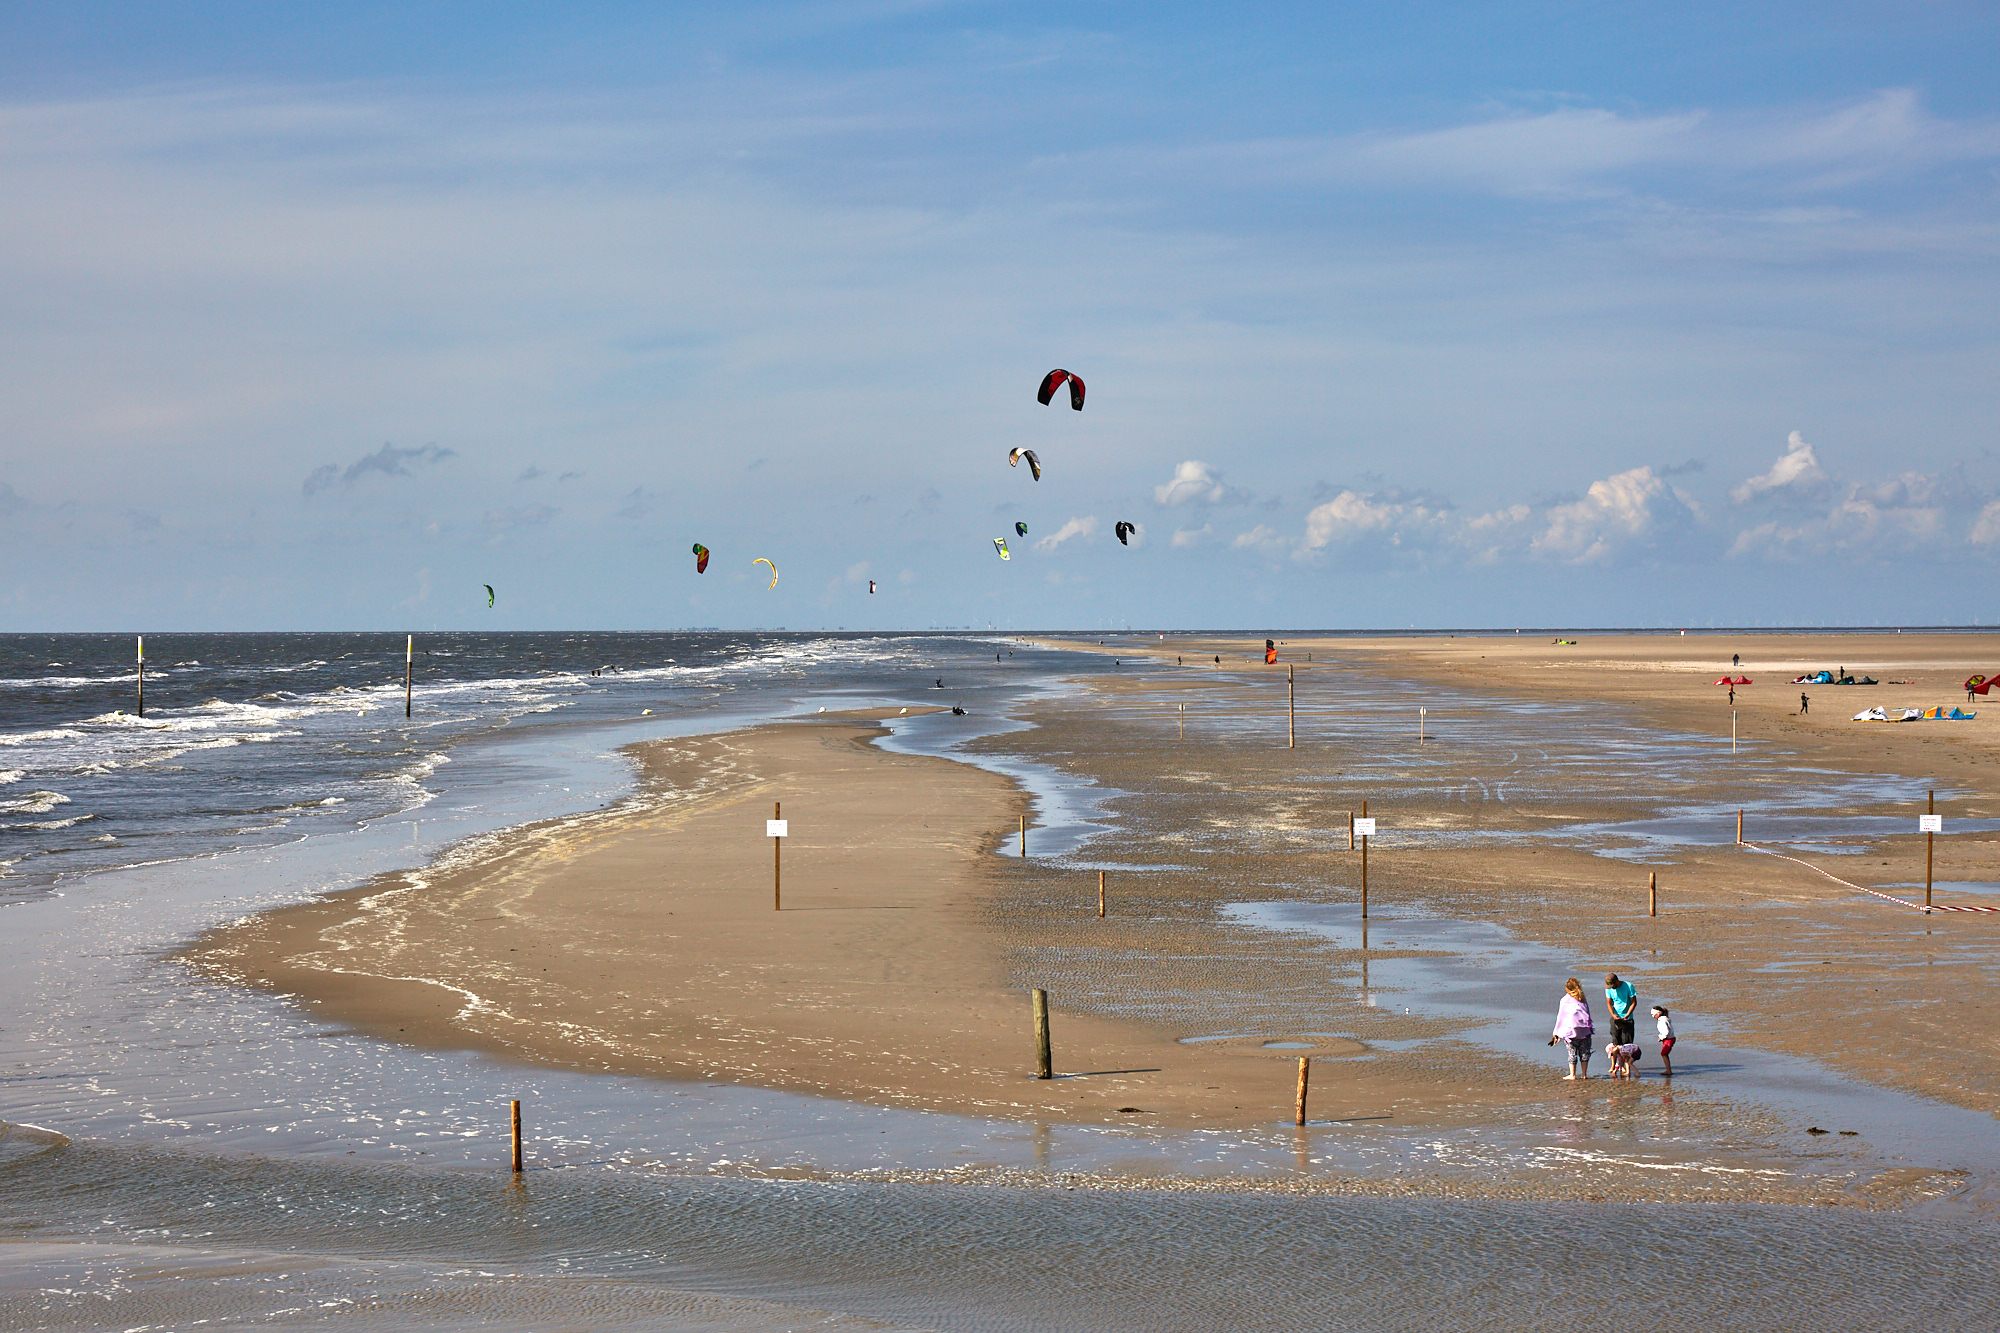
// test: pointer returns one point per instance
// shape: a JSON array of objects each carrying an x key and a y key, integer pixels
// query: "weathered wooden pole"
[
  {"x": 1291, "y": 710},
  {"x": 1364, "y": 866},
  {"x": 1043, "y": 1067},
  {"x": 1930, "y": 839},
  {"x": 142, "y": 675},
  {"x": 1024, "y": 837},
  {"x": 409, "y": 666},
  {"x": 1732, "y": 731},
  {"x": 1652, "y": 893},
  {"x": 1183, "y": 719},
  {"x": 777, "y": 856},
  {"x": 1420, "y": 723},
  {"x": 1100, "y": 893},
  {"x": 1739, "y": 826},
  {"x": 1305, "y": 1074},
  {"x": 517, "y": 1136},
  {"x": 1350, "y": 830}
]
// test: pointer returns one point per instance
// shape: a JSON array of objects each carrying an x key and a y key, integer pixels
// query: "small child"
[
  {"x": 1622, "y": 1058},
  {"x": 1666, "y": 1026}
]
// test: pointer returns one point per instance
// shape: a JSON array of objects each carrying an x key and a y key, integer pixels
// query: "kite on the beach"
[
  {"x": 1124, "y": 530},
  {"x": 1000, "y": 545},
  {"x": 1020, "y": 529},
  {"x": 1980, "y": 684},
  {"x": 700, "y": 558},
  {"x": 760, "y": 560},
  {"x": 1014, "y": 457},
  {"x": 1053, "y": 381},
  {"x": 489, "y": 595}
]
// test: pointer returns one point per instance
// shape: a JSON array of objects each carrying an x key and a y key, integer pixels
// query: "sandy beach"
[{"x": 641, "y": 939}]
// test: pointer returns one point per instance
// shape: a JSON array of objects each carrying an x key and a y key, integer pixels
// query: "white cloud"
[
  {"x": 1632, "y": 509},
  {"x": 1352, "y": 516},
  {"x": 1076, "y": 527},
  {"x": 1260, "y": 538},
  {"x": 858, "y": 572},
  {"x": 1195, "y": 482},
  {"x": 1796, "y": 475},
  {"x": 1193, "y": 536},
  {"x": 1986, "y": 528}
]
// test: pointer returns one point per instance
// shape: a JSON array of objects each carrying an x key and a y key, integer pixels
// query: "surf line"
[{"x": 1915, "y": 907}]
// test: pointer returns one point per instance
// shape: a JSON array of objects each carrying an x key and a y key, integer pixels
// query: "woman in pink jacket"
[{"x": 1573, "y": 1026}]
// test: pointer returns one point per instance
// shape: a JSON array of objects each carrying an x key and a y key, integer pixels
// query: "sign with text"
[
  {"x": 776, "y": 828},
  {"x": 1930, "y": 823},
  {"x": 1364, "y": 828}
]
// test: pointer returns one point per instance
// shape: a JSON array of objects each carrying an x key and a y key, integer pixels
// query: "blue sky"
[{"x": 1480, "y": 315}]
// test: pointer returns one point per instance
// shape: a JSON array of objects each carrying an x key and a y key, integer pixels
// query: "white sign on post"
[
  {"x": 1364, "y": 828},
  {"x": 775, "y": 828},
  {"x": 1930, "y": 823}
]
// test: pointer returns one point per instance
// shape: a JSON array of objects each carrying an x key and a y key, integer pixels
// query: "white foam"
[{"x": 34, "y": 803}]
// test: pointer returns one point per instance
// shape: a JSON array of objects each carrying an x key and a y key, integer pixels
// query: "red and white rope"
[{"x": 1915, "y": 907}]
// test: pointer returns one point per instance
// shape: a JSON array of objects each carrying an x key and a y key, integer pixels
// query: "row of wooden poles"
[{"x": 409, "y": 670}]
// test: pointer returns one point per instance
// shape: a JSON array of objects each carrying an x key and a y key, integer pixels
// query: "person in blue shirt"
[{"x": 1623, "y": 1002}]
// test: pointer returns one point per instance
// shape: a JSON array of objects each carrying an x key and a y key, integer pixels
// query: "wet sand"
[{"x": 641, "y": 939}]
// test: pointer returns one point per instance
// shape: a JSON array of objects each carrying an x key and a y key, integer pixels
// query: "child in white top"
[{"x": 1666, "y": 1026}]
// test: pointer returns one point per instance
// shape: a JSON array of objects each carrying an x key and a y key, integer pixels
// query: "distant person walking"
[
  {"x": 1574, "y": 1029},
  {"x": 1732, "y": 694},
  {"x": 1805, "y": 703},
  {"x": 1623, "y": 1002},
  {"x": 1736, "y": 659}
]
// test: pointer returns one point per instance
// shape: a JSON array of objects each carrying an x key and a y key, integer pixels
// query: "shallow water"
[{"x": 233, "y": 1156}]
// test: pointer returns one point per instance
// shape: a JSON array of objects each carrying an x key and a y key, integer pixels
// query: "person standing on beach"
[
  {"x": 1666, "y": 1026},
  {"x": 1574, "y": 1028},
  {"x": 1805, "y": 704},
  {"x": 1623, "y": 1001},
  {"x": 1732, "y": 694}
]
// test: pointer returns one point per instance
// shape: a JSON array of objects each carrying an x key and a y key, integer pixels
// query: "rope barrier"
[{"x": 1915, "y": 907}]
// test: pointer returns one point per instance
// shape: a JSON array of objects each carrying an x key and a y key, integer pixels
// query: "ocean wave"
[
  {"x": 27, "y": 737},
  {"x": 50, "y": 825},
  {"x": 34, "y": 803},
  {"x": 9, "y": 776}
]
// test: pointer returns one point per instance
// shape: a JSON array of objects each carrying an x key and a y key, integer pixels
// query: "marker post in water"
[
  {"x": 142, "y": 675},
  {"x": 1291, "y": 710},
  {"x": 1930, "y": 825},
  {"x": 1652, "y": 893},
  {"x": 1420, "y": 724},
  {"x": 409, "y": 665},
  {"x": 516, "y": 1105},
  {"x": 1365, "y": 828},
  {"x": 1100, "y": 893},
  {"x": 777, "y": 830},
  {"x": 1044, "y": 1063},
  {"x": 1305, "y": 1075}
]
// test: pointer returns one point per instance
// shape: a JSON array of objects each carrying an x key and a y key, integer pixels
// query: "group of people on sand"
[{"x": 1575, "y": 1029}]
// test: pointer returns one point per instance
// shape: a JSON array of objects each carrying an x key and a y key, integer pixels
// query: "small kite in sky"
[
  {"x": 1020, "y": 529},
  {"x": 1000, "y": 545},
  {"x": 1014, "y": 457},
  {"x": 760, "y": 560},
  {"x": 1124, "y": 530},
  {"x": 700, "y": 558},
  {"x": 1053, "y": 381},
  {"x": 489, "y": 595}
]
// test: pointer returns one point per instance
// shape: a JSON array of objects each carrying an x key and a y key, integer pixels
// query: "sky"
[{"x": 1474, "y": 315}]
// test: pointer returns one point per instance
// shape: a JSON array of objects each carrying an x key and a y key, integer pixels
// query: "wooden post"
[
  {"x": 517, "y": 1136},
  {"x": 1350, "y": 830},
  {"x": 1043, "y": 1067},
  {"x": 1739, "y": 826},
  {"x": 777, "y": 850},
  {"x": 1420, "y": 724},
  {"x": 1183, "y": 719},
  {"x": 1652, "y": 893},
  {"x": 1024, "y": 837},
  {"x": 1100, "y": 893},
  {"x": 1930, "y": 840},
  {"x": 409, "y": 665},
  {"x": 142, "y": 675},
  {"x": 1732, "y": 731},
  {"x": 1291, "y": 710},
  {"x": 1364, "y": 866},
  {"x": 1305, "y": 1074}
]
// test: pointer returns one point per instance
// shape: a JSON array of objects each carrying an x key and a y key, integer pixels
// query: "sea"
[{"x": 175, "y": 1154}]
